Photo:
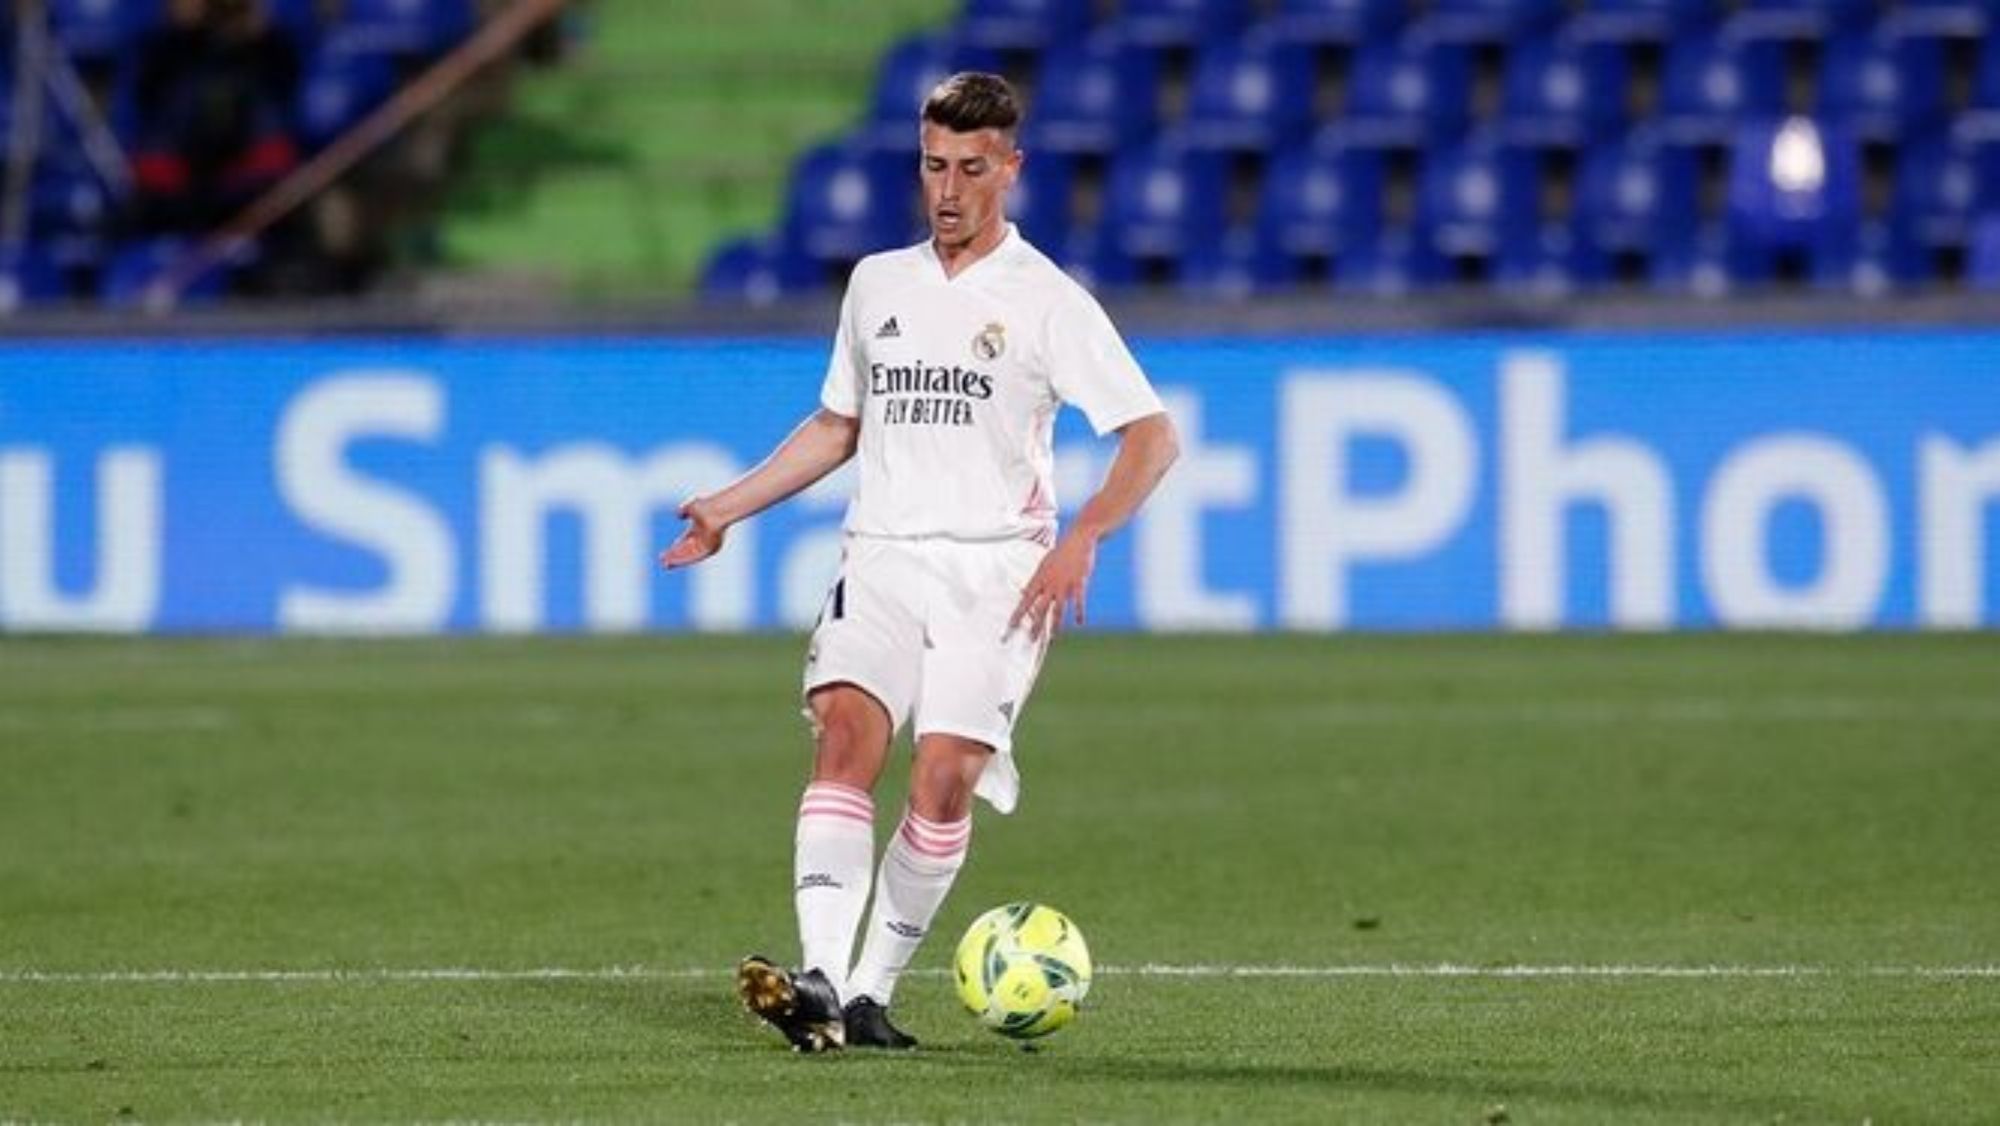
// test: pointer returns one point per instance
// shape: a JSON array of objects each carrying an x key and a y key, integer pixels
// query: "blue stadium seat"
[
  {"x": 1250, "y": 94},
  {"x": 1940, "y": 185},
  {"x": 1392, "y": 264},
  {"x": 1490, "y": 21},
  {"x": 1091, "y": 256},
  {"x": 1641, "y": 21},
  {"x": 1985, "y": 101},
  {"x": 1320, "y": 201},
  {"x": 1950, "y": 19},
  {"x": 1550, "y": 261},
  {"x": 66, "y": 196},
  {"x": 342, "y": 81},
  {"x": 1023, "y": 24},
  {"x": 1712, "y": 84},
  {"x": 1563, "y": 92},
  {"x": 1793, "y": 182},
  {"x": 1234, "y": 266},
  {"x": 1040, "y": 201},
  {"x": 755, "y": 271},
  {"x": 1094, "y": 95},
  {"x": 1182, "y": 23},
  {"x": 1476, "y": 195},
  {"x": 407, "y": 27},
  {"x": 1871, "y": 260},
  {"x": 134, "y": 266},
  {"x": 844, "y": 202},
  {"x": 1796, "y": 19},
  {"x": 910, "y": 70},
  {"x": 1345, "y": 22},
  {"x": 299, "y": 18},
  {"x": 1163, "y": 199},
  {"x": 99, "y": 29},
  {"x": 1637, "y": 194},
  {"x": 29, "y": 275},
  {"x": 1410, "y": 91},
  {"x": 1982, "y": 263},
  {"x": 1883, "y": 87},
  {"x": 1708, "y": 262}
]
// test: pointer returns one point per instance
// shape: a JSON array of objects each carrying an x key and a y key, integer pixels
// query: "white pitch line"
[{"x": 643, "y": 973}]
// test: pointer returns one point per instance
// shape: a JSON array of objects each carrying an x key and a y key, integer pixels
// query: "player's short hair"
[{"x": 971, "y": 100}]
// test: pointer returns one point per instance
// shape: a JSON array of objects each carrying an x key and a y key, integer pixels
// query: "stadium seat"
[
  {"x": 407, "y": 27},
  {"x": 1707, "y": 262},
  {"x": 1476, "y": 195},
  {"x": 99, "y": 29},
  {"x": 1949, "y": 19},
  {"x": 1940, "y": 185},
  {"x": 1563, "y": 93},
  {"x": 1489, "y": 21},
  {"x": 1796, "y": 19},
  {"x": 66, "y": 196},
  {"x": 1094, "y": 95},
  {"x": 29, "y": 275},
  {"x": 299, "y": 18},
  {"x": 1023, "y": 24},
  {"x": 1870, "y": 260},
  {"x": 1320, "y": 201},
  {"x": 1712, "y": 84},
  {"x": 1637, "y": 193},
  {"x": 756, "y": 271},
  {"x": 1091, "y": 256},
  {"x": 1982, "y": 265},
  {"x": 1549, "y": 261},
  {"x": 1881, "y": 87},
  {"x": 1985, "y": 100},
  {"x": 1344, "y": 22},
  {"x": 1792, "y": 182},
  {"x": 1408, "y": 92},
  {"x": 1164, "y": 199},
  {"x": 845, "y": 201},
  {"x": 1250, "y": 94},
  {"x": 1235, "y": 265},
  {"x": 1182, "y": 23},
  {"x": 1040, "y": 201},
  {"x": 134, "y": 266},
  {"x": 1392, "y": 264},
  {"x": 910, "y": 70},
  {"x": 342, "y": 82},
  {"x": 1641, "y": 21}
]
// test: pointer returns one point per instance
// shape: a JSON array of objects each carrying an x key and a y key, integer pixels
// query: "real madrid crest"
[{"x": 991, "y": 343}]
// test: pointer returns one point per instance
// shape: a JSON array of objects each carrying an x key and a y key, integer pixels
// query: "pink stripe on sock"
[
  {"x": 936, "y": 832},
  {"x": 840, "y": 811},
  {"x": 840, "y": 788},
  {"x": 845, "y": 799},
  {"x": 941, "y": 846}
]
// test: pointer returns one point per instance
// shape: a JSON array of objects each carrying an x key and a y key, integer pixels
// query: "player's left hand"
[
  {"x": 701, "y": 539},
  {"x": 1057, "y": 587}
]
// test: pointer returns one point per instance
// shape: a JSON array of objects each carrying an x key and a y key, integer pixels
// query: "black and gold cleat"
[
  {"x": 868, "y": 1027},
  {"x": 802, "y": 1006}
]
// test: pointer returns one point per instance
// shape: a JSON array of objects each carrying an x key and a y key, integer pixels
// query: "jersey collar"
[{"x": 1004, "y": 246}]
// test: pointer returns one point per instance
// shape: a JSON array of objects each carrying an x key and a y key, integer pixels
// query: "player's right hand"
[{"x": 702, "y": 538}]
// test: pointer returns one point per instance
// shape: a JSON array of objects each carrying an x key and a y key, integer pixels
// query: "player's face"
[{"x": 966, "y": 177}]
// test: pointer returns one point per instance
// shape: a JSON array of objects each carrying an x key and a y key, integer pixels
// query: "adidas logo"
[
  {"x": 1007, "y": 709},
  {"x": 889, "y": 330}
]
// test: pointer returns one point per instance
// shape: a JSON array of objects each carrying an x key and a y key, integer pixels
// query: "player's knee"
[
  {"x": 849, "y": 744},
  {"x": 943, "y": 778}
]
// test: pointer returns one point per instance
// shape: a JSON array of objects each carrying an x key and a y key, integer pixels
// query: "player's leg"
[
  {"x": 919, "y": 864},
  {"x": 834, "y": 847},
  {"x": 833, "y": 855}
]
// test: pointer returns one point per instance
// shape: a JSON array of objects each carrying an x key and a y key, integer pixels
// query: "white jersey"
[{"x": 957, "y": 382}]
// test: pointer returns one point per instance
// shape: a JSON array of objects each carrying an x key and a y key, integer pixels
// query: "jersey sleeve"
[
  {"x": 841, "y": 393},
  {"x": 1090, "y": 367}
]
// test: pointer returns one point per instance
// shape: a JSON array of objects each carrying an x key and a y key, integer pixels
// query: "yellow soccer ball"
[{"x": 1023, "y": 969}]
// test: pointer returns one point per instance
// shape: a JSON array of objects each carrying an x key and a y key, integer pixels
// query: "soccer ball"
[{"x": 1023, "y": 969}]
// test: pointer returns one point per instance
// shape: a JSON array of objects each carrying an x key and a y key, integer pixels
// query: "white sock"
[
  {"x": 917, "y": 870},
  {"x": 834, "y": 851}
]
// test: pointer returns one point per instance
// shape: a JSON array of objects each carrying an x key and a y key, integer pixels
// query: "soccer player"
[{"x": 950, "y": 362}]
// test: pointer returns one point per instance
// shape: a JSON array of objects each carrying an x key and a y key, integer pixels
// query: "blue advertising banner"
[{"x": 1515, "y": 481}]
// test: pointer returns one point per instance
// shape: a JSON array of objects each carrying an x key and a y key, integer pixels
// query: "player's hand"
[
  {"x": 1057, "y": 587},
  {"x": 701, "y": 539}
]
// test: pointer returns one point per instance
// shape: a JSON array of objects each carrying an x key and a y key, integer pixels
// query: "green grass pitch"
[{"x": 1755, "y": 878}]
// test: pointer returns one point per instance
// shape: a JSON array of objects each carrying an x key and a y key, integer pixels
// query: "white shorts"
[{"x": 921, "y": 625}]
